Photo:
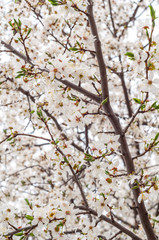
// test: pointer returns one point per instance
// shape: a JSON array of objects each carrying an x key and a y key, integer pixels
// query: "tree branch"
[
  {"x": 117, "y": 126},
  {"x": 112, "y": 19},
  {"x": 79, "y": 89},
  {"x": 112, "y": 222},
  {"x": 65, "y": 82},
  {"x": 121, "y": 75},
  {"x": 17, "y": 53}
]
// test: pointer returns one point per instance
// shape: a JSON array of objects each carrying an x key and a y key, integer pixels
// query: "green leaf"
[
  {"x": 147, "y": 33},
  {"x": 5, "y": 131},
  {"x": 106, "y": 172},
  {"x": 28, "y": 203},
  {"x": 15, "y": 21},
  {"x": 153, "y": 16},
  {"x": 155, "y": 220},
  {"x": 143, "y": 106},
  {"x": 54, "y": 2},
  {"x": 9, "y": 139},
  {"x": 135, "y": 187},
  {"x": 31, "y": 234},
  {"x": 23, "y": 69},
  {"x": 73, "y": 49},
  {"x": 152, "y": 12},
  {"x": 65, "y": 159},
  {"x": 104, "y": 101},
  {"x": 155, "y": 179},
  {"x": 57, "y": 141},
  {"x": 130, "y": 55},
  {"x": 60, "y": 224},
  {"x": 137, "y": 100},
  {"x": 10, "y": 23},
  {"x": 19, "y": 234},
  {"x": 89, "y": 158},
  {"x": 21, "y": 238},
  {"x": 29, "y": 217},
  {"x": 147, "y": 182},
  {"x": 20, "y": 75},
  {"x": 78, "y": 44},
  {"x": 19, "y": 23},
  {"x": 39, "y": 113},
  {"x": 155, "y": 106},
  {"x": 23, "y": 182},
  {"x": 156, "y": 137},
  {"x": 29, "y": 31},
  {"x": 102, "y": 194}
]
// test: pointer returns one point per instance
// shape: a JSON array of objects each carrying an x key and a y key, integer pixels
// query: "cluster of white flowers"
[{"x": 64, "y": 158}]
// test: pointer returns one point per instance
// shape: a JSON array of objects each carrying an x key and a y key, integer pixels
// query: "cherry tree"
[{"x": 79, "y": 120}]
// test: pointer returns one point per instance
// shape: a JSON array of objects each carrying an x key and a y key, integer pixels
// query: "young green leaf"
[
  {"x": 135, "y": 187},
  {"x": 20, "y": 75},
  {"x": 54, "y": 2},
  {"x": 89, "y": 158},
  {"x": 29, "y": 217},
  {"x": 21, "y": 238},
  {"x": 65, "y": 159},
  {"x": 19, "y": 23},
  {"x": 152, "y": 12},
  {"x": 57, "y": 141},
  {"x": 5, "y": 131},
  {"x": 130, "y": 55},
  {"x": 28, "y": 203},
  {"x": 143, "y": 106},
  {"x": 10, "y": 23},
  {"x": 137, "y": 100},
  {"x": 153, "y": 16},
  {"x": 29, "y": 31},
  {"x": 106, "y": 172},
  {"x": 73, "y": 49},
  {"x": 156, "y": 137},
  {"x": 9, "y": 139},
  {"x": 78, "y": 43},
  {"x": 155, "y": 220},
  {"x": 103, "y": 195},
  {"x": 104, "y": 101},
  {"x": 39, "y": 113},
  {"x": 19, "y": 234},
  {"x": 154, "y": 105},
  {"x": 31, "y": 112},
  {"x": 60, "y": 224}
]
